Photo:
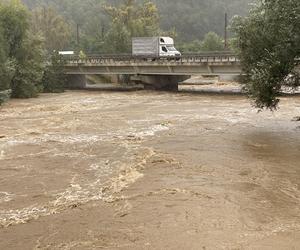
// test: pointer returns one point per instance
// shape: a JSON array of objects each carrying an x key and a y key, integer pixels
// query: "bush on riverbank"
[{"x": 54, "y": 79}]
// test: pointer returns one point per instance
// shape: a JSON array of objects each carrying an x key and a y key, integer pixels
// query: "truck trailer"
[{"x": 154, "y": 47}]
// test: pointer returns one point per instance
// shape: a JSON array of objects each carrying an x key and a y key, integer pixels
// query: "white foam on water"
[
  {"x": 142, "y": 132},
  {"x": 77, "y": 194},
  {"x": 2, "y": 154},
  {"x": 151, "y": 131},
  {"x": 88, "y": 101},
  {"x": 72, "y": 139},
  {"x": 6, "y": 197}
]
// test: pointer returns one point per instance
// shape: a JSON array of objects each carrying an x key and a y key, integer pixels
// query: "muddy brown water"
[{"x": 147, "y": 170}]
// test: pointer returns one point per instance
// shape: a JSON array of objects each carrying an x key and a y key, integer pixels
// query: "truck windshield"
[{"x": 171, "y": 48}]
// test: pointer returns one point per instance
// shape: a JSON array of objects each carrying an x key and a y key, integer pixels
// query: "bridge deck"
[{"x": 226, "y": 63}]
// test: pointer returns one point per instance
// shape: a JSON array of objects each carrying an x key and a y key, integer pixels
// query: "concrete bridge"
[{"x": 163, "y": 73}]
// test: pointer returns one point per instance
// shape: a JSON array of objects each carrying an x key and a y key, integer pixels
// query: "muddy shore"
[{"x": 148, "y": 170}]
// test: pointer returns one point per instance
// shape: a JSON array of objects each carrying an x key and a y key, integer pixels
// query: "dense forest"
[
  {"x": 188, "y": 20},
  {"x": 192, "y": 19}
]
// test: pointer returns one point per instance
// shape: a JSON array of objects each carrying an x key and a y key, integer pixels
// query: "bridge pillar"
[
  {"x": 161, "y": 82},
  {"x": 229, "y": 78},
  {"x": 76, "y": 82}
]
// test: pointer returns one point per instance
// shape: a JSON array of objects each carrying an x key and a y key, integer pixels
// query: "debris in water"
[{"x": 296, "y": 119}]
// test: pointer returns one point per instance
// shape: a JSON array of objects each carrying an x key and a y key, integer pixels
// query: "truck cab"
[{"x": 167, "y": 48}]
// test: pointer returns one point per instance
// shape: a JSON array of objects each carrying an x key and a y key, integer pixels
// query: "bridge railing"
[{"x": 129, "y": 59}]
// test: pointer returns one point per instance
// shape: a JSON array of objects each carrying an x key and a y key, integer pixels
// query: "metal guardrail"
[{"x": 128, "y": 59}]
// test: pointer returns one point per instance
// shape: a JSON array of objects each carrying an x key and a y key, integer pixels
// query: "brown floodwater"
[{"x": 148, "y": 170}]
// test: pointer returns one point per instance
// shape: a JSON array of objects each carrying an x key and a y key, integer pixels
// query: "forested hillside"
[{"x": 192, "y": 19}]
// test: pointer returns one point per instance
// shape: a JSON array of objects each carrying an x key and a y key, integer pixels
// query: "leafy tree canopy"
[
  {"x": 268, "y": 41},
  {"x": 52, "y": 26},
  {"x": 191, "y": 19},
  {"x": 130, "y": 20},
  {"x": 26, "y": 82},
  {"x": 54, "y": 79},
  {"x": 14, "y": 23},
  {"x": 212, "y": 42},
  {"x": 21, "y": 52}
]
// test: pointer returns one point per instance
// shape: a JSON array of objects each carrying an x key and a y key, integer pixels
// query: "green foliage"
[
  {"x": 53, "y": 27},
  {"x": 269, "y": 42},
  {"x": 21, "y": 53},
  {"x": 26, "y": 81},
  {"x": 3, "y": 46},
  {"x": 7, "y": 70},
  {"x": 54, "y": 79},
  {"x": 14, "y": 23},
  {"x": 117, "y": 39},
  {"x": 195, "y": 18},
  {"x": 4, "y": 96},
  {"x": 191, "y": 19},
  {"x": 82, "y": 55},
  {"x": 87, "y": 14},
  {"x": 212, "y": 42},
  {"x": 190, "y": 47},
  {"x": 130, "y": 20},
  {"x": 5, "y": 65}
]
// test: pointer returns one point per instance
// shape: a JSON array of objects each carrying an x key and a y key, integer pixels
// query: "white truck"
[{"x": 154, "y": 47}]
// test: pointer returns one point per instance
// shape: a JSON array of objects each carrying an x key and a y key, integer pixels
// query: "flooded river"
[{"x": 148, "y": 170}]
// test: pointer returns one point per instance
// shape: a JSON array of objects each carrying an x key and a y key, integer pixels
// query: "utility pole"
[
  {"x": 225, "y": 32},
  {"x": 77, "y": 34}
]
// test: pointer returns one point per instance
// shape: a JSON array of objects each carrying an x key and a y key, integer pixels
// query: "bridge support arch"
[
  {"x": 160, "y": 82},
  {"x": 76, "y": 81}
]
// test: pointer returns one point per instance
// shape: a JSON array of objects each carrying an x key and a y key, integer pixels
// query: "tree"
[
  {"x": 26, "y": 82},
  {"x": 192, "y": 19},
  {"x": 52, "y": 26},
  {"x": 130, "y": 20},
  {"x": 21, "y": 51},
  {"x": 268, "y": 42},
  {"x": 6, "y": 65},
  {"x": 190, "y": 47},
  {"x": 117, "y": 40},
  {"x": 54, "y": 78},
  {"x": 212, "y": 42},
  {"x": 14, "y": 23},
  {"x": 195, "y": 18},
  {"x": 7, "y": 70}
]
